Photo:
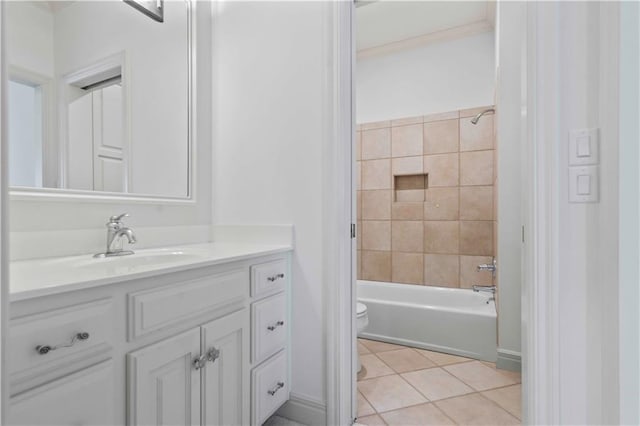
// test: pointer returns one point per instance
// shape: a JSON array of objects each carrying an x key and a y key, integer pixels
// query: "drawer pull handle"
[
  {"x": 45, "y": 349},
  {"x": 275, "y": 277},
  {"x": 200, "y": 362},
  {"x": 213, "y": 354},
  {"x": 276, "y": 388},
  {"x": 273, "y": 327}
]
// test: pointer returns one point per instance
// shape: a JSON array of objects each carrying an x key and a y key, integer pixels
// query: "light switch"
[
  {"x": 583, "y": 147},
  {"x": 583, "y": 184}
]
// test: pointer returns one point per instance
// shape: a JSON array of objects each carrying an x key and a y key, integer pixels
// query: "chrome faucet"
[
  {"x": 115, "y": 231},
  {"x": 486, "y": 289},
  {"x": 488, "y": 267}
]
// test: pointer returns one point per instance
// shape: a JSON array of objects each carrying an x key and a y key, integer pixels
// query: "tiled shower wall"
[{"x": 426, "y": 199}]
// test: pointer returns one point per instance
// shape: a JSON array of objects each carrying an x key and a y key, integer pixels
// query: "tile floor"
[{"x": 406, "y": 386}]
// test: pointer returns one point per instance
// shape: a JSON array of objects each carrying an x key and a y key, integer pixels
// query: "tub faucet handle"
[{"x": 492, "y": 267}]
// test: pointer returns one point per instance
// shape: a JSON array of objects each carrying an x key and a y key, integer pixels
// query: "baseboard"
[
  {"x": 303, "y": 410},
  {"x": 509, "y": 360}
]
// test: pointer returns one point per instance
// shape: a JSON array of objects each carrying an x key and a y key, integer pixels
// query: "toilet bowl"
[{"x": 362, "y": 320}]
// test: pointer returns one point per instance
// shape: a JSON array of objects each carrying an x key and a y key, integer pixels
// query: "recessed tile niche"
[{"x": 410, "y": 188}]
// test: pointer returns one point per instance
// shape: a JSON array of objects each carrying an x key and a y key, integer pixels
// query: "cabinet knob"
[
  {"x": 276, "y": 325},
  {"x": 213, "y": 354},
  {"x": 200, "y": 362},
  {"x": 45, "y": 349},
  {"x": 275, "y": 277},
  {"x": 276, "y": 388}
]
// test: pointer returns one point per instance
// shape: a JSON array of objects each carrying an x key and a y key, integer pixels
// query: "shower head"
[{"x": 475, "y": 119}]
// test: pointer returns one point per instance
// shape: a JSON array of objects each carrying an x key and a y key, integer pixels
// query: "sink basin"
[{"x": 148, "y": 258}]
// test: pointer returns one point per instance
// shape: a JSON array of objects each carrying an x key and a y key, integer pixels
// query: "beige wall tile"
[
  {"x": 406, "y": 268},
  {"x": 441, "y": 204},
  {"x": 359, "y": 263},
  {"x": 476, "y": 137},
  {"x": 358, "y": 175},
  {"x": 375, "y": 125},
  {"x": 441, "y": 237},
  {"x": 440, "y": 116},
  {"x": 376, "y": 174},
  {"x": 376, "y": 205},
  {"x": 442, "y": 169},
  {"x": 376, "y": 265},
  {"x": 441, "y": 137},
  {"x": 406, "y": 121},
  {"x": 472, "y": 112},
  {"x": 358, "y": 145},
  {"x": 476, "y": 168},
  {"x": 358, "y": 205},
  {"x": 469, "y": 275},
  {"x": 359, "y": 234},
  {"x": 406, "y": 141},
  {"x": 476, "y": 203},
  {"x": 441, "y": 270},
  {"x": 476, "y": 238},
  {"x": 376, "y": 144},
  {"x": 376, "y": 235},
  {"x": 410, "y": 182},
  {"x": 406, "y": 236},
  {"x": 407, "y": 166},
  {"x": 410, "y": 195},
  {"x": 406, "y": 211}
]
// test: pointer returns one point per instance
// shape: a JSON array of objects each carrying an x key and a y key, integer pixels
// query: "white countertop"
[{"x": 42, "y": 277}]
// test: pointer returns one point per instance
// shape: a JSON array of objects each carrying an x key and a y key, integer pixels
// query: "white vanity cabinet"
[{"x": 200, "y": 346}]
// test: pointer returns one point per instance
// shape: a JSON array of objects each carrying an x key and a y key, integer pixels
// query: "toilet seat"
[{"x": 361, "y": 310}]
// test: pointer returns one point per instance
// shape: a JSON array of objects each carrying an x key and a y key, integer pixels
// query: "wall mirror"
[{"x": 100, "y": 98}]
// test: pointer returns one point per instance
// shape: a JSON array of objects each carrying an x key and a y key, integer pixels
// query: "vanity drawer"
[
  {"x": 267, "y": 278},
  {"x": 53, "y": 343},
  {"x": 270, "y": 387},
  {"x": 269, "y": 326},
  {"x": 162, "y": 308}
]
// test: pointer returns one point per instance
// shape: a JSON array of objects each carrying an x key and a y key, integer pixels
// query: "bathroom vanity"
[{"x": 197, "y": 335}]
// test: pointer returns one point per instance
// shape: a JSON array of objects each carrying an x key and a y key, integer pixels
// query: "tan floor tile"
[
  {"x": 436, "y": 383},
  {"x": 509, "y": 398},
  {"x": 364, "y": 408},
  {"x": 479, "y": 376},
  {"x": 424, "y": 415},
  {"x": 372, "y": 366},
  {"x": 405, "y": 360},
  {"x": 475, "y": 409},
  {"x": 390, "y": 393},
  {"x": 375, "y": 346},
  {"x": 441, "y": 359},
  {"x": 362, "y": 349},
  {"x": 374, "y": 420}
]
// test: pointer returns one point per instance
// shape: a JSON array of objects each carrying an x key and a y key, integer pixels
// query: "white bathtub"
[{"x": 451, "y": 320}]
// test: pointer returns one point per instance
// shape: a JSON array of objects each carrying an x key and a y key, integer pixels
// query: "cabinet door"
[
  {"x": 82, "y": 398},
  {"x": 164, "y": 384},
  {"x": 226, "y": 379}
]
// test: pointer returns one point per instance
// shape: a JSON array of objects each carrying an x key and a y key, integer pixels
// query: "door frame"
[{"x": 4, "y": 218}]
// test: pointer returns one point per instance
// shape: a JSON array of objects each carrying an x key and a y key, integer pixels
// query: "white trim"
[
  {"x": 540, "y": 285},
  {"x": 4, "y": 215},
  {"x": 304, "y": 410},
  {"x": 337, "y": 214},
  {"x": 425, "y": 39},
  {"x": 509, "y": 360}
]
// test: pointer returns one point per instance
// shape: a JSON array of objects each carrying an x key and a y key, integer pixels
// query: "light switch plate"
[
  {"x": 584, "y": 147},
  {"x": 584, "y": 184}
]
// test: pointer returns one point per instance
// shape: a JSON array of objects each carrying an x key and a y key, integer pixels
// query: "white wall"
[
  {"x": 268, "y": 150},
  {"x": 30, "y": 31},
  {"x": 25, "y": 151},
  {"x": 442, "y": 76},
  {"x": 510, "y": 44}
]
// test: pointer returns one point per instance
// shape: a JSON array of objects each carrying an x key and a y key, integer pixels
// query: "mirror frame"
[{"x": 22, "y": 193}]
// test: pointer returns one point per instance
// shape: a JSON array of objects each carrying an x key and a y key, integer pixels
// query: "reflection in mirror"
[{"x": 99, "y": 97}]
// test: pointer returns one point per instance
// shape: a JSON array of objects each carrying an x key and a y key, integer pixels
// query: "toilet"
[{"x": 362, "y": 320}]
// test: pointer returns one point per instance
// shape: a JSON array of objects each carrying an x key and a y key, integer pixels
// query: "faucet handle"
[{"x": 118, "y": 218}]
